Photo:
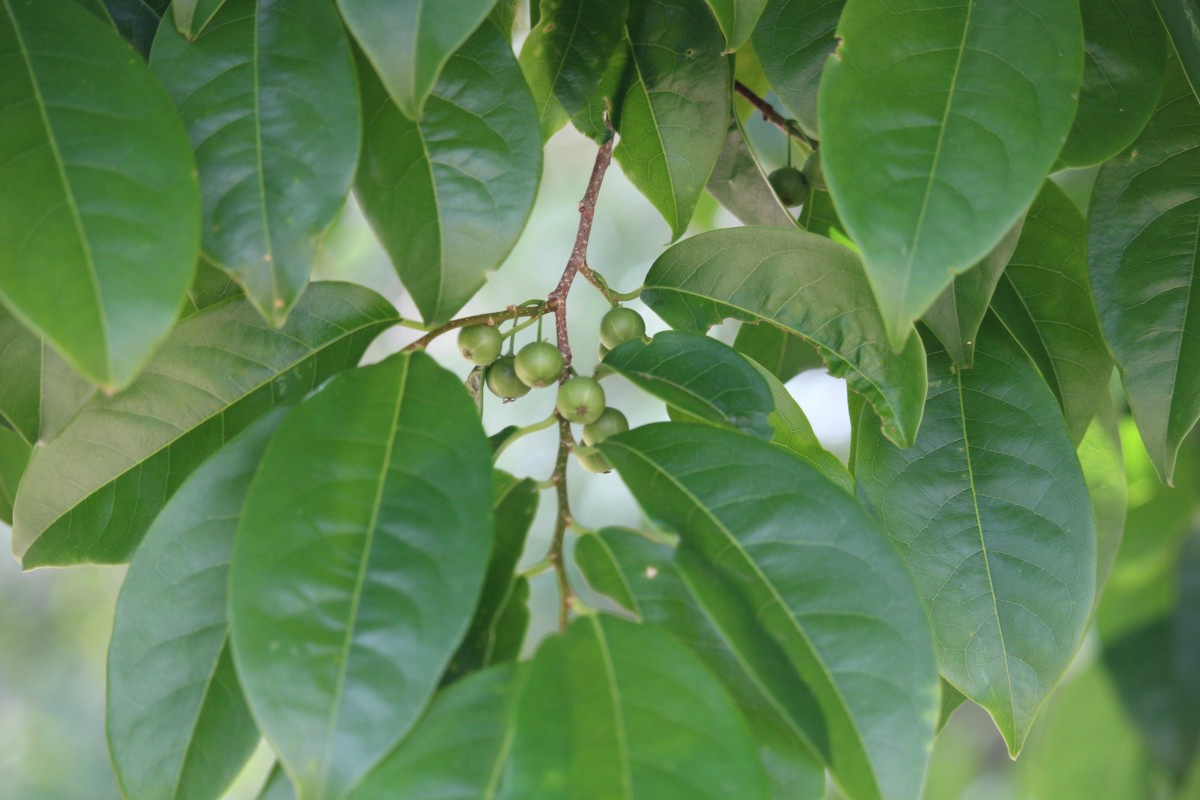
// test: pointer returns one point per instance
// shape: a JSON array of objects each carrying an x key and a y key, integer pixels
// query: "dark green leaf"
[
  {"x": 958, "y": 312},
  {"x": 97, "y": 9},
  {"x": 267, "y": 93},
  {"x": 608, "y": 98},
  {"x": 771, "y": 275},
  {"x": 458, "y": 749},
  {"x": 1103, "y": 464},
  {"x": 829, "y": 591},
  {"x": 409, "y": 42},
  {"x": 951, "y": 700},
  {"x": 739, "y": 184},
  {"x": 618, "y": 710},
  {"x": 991, "y": 512},
  {"x": 567, "y": 54},
  {"x": 1142, "y": 255},
  {"x": 97, "y": 248},
  {"x": 191, "y": 16},
  {"x": 1182, "y": 23},
  {"x": 39, "y": 392},
  {"x": 449, "y": 195},
  {"x": 1125, "y": 52},
  {"x": 95, "y": 489},
  {"x": 361, "y": 553},
  {"x": 137, "y": 21},
  {"x": 793, "y": 40},
  {"x": 1044, "y": 299},
  {"x": 737, "y": 19},
  {"x": 212, "y": 285},
  {"x": 939, "y": 123},
  {"x": 178, "y": 725},
  {"x": 512, "y": 623},
  {"x": 645, "y": 579},
  {"x": 14, "y": 457},
  {"x": 783, "y": 354},
  {"x": 702, "y": 377},
  {"x": 515, "y": 504},
  {"x": 674, "y": 114}
]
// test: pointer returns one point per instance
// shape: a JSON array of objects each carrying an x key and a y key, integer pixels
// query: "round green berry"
[
  {"x": 620, "y": 325},
  {"x": 790, "y": 185},
  {"x": 593, "y": 461},
  {"x": 502, "y": 379},
  {"x": 610, "y": 423},
  {"x": 581, "y": 400},
  {"x": 539, "y": 364},
  {"x": 480, "y": 344},
  {"x": 814, "y": 173}
]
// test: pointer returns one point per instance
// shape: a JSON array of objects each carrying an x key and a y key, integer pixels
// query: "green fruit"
[
  {"x": 502, "y": 379},
  {"x": 790, "y": 185},
  {"x": 611, "y": 423},
  {"x": 480, "y": 344},
  {"x": 581, "y": 400},
  {"x": 813, "y": 172},
  {"x": 602, "y": 351},
  {"x": 620, "y": 325},
  {"x": 539, "y": 364},
  {"x": 594, "y": 461}
]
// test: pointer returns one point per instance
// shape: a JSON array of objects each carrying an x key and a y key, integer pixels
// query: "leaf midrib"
[
  {"x": 618, "y": 713},
  {"x": 258, "y": 156}
]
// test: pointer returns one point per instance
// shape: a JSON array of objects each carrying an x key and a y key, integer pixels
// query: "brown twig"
[
  {"x": 491, "y": 318},
  {"x": 774, "y": 117}
]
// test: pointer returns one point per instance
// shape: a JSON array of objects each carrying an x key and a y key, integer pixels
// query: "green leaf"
[
  {"x": 137, "y": 21},
  {"x": 830, "y": 592},
  {"x": 39, "y": 392},
  {"x": 511, "y": 624},
  {"x": 793, "y": 40},
  {"x": 212, "y": 285},
  {"x": 1125, "y": 55},
  {"x": 939, "y": 122},
  {"x": 951, "y": 700},
  {"x": 991, "y": 512},
  {"x": 1142, "y": 257},
  {"x": 14, "y": 457},
  {"x": 793, "y": 432},
  {"x": 514, "y": 505},
  {"x": 645, "y": 579},
  {"x": 94, "y": 490},
  {"x": 97, "y": 248},
  {"x": 783, "y": 354},
  {"x": 1103, "y": 463},
  {"x": 1044, "y": 298},
  {"x": 608, "y": 98},
  {"x": 458, "y": 749},
  {"x": 703, "y": 377},
  {"x": 618, "y": 710},
  {"x": 277, "y": 786},
  {"x": 819, "y": 216},
  {"x": 178, "y": 725},
  {"x": 191, "y": 16},
  {"x": 567, "y": 54},
  {"x": 1180, "y": 19},
  {"x": 958, "y": 312},
  {"x": 267, "y": 93},
  {"x": 409, "y": 42},
  {"x": 739, "y": 184},
  {"x": 449, "y": 195},
  {"x": 97, "y": 9},
  {"x": 770, "y": 275},
  {"x": 361, "y": 552},
  {"x": 737, "y": 19},
  {"x": 674, "y": 114}
]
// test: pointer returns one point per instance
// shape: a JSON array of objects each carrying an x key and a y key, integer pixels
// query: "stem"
[
  {"x": 774, "y": 117},
  {"x": 492, "y": 318},
  {"x": 525, "y": 431}
]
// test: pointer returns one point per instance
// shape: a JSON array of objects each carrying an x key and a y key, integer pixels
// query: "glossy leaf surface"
[
  {"x": 267, "y": 93},
  {"x": 449, "y": 195},
  {"x": 793, "y": 40},
  {"x": 991, "y": 512},
  {"x": 673, "y": 118},
  {"x": 1045, "y": 300},
  {"x": 98, "y": 486},
  {"x": 96, "y": 248},
  {"x": 1125, "y": 55},
  {"x": 409, "y": 41},
  {"x": 1142, "y": 257},
  {"x": 799, "y": 554},
  {"x": 458, "y": 749},
  {"x": 641, "y": 574},
  {"x": 356, "y": 560},
  {"x": 958, "y": 312},
  {"x": 628, "y": 712},
  {"x": 939, "y": 122},
  {"x": 769, "y": 275},
  {"x": 178, "y": 725},
  {"x": 700, "y": 376}
]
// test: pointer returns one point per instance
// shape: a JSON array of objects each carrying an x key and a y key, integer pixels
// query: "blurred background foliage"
[{"x": 1124, "y": 725}]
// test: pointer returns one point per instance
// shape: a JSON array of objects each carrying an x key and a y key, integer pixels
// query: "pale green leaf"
[
  {"x": 737, "y": 19},
  {"x": 739, "y": 184},
  {"x": 14, "y": 457},
  {"x": 785, "y": 355}
]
